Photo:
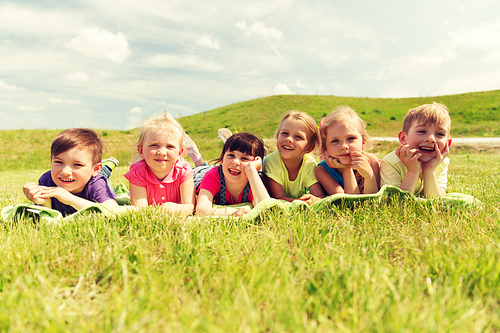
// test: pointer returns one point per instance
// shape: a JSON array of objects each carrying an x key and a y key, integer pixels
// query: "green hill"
[{"x": 472, "y": 114}]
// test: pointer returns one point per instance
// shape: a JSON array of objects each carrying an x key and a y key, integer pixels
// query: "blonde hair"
[
  {"x": 163, "y": 122},
  {"x": 435, "y": 113},
  {"x": 307, "y": 121},
  {"x": 344, "y": 113}
]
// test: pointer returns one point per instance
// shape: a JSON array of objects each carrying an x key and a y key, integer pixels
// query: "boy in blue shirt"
[{"x": 74, "y": 180}]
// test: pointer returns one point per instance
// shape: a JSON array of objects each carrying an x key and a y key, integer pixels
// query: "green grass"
[
  {"x": 396, "y": 266},
  {"x": 381, "y": 267}
]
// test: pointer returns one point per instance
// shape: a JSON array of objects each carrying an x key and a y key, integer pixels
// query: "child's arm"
[
  {"x": 368, "y": 167},
  {"x": 35, "y": 194},
  {"x": 70, "y": 199},
  {"x": 138, "y": 195},
  {"x": 327, "y": 181},
  {"x": 259, "y": 191},
  {"x": 431, "y": 187},
  {"x": 409, "y": 157},
  {"x": 276, "y": 190},
  {"x": 186, "y": 206},
  {"x": 204, "y": 206},
  {"x": 315, "y": 194}
]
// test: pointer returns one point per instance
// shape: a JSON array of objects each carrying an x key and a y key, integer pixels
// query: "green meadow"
[{"x": 386, "y": 267}]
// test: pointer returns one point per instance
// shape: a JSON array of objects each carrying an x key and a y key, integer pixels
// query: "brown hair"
[
  {"x": 307, "y": 121},
  {"x": 81, "y": 138},
  {"x": 344, "y": 113},
  {"x": 245, "y": 143},
  {"x": 435, "y": 113}
]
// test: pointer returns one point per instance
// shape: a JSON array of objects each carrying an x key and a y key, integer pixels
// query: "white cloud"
[
  {"x": 486, "y": 37},
  {"x": 282, "y": 89},
  {"x": 57, "y": 100},
  {"x": 9, "y": 87},
  {"x": 136, "y": 110},
  {"x": 209, "y": 41},
  {"x": 335, "y": 59},
  {"x": 103, "y": 74},
  {"x": 183, "y": 61},
  {"x": 77, "y": 76},
  {"x": 100, "y": 44},
  {"x": 259, "y": 28},
  {"x": 30, "y": 108}
]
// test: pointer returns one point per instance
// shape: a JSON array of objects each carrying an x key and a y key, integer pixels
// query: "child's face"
[
  {"x": 161, "y": 150},
  {"x": 73, "y": 169},
  {"x": 343, "y": 139},
  {"x": 233, "y": 164},
  {"x": 425, "y": 138},
  {"x": 292, "y": 140}
]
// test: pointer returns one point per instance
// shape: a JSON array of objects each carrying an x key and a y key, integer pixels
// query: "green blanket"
[{"x": 264, "y": 208}]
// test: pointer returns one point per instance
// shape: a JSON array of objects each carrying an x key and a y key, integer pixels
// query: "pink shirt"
[
  {"x": 211, "y": 183},
  {"x": 166, "y": 190}
]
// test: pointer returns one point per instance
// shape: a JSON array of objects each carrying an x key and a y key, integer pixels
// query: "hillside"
[{"x": 472, "y": 114}]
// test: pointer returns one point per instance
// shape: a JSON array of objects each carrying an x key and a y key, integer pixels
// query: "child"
[
  {"x": 290, "y": 169},
  {"x": 347, "y": 168},
  {"x": 420, "y": 164},
  {"x": 161, "y": 177},
  {"x": 236, "y": 180},
  {"x": 74, "y": 180}
]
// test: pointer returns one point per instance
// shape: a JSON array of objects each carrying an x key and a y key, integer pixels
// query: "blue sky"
[{"x": 110, "y": 64}]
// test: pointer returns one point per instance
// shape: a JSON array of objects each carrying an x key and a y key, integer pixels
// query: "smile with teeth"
[
  {"x": 65, "y": 180},
  {"x": 234, "y": 172},
  {"x": 287, "y": 147},
  {"x": 429, "y": 149}
]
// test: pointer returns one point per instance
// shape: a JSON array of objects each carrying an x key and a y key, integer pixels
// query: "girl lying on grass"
[
  {"x": 347, "y": 167},
  {"x": 290, "y": 169},
  {"x": 162, "y": 177},
  {"x": 236, "y": 180}
]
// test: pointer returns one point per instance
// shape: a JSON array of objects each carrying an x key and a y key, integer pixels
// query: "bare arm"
[
  {"x": 204, "y": 206},
  {"x": 327, "y": 181},
  {"x": 258, "y": 189},
  {"x": 186, "y": 206},
  {"x": 276, "y": 190},
  {"x": 138, "y": 196},
  {"x": 409, "y": 157},
  {"x": 35, "y": 194},
  {"x": 431, "y": 187}
]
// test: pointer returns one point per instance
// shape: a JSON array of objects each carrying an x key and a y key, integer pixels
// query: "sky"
[{"x": 109, "y": 64}]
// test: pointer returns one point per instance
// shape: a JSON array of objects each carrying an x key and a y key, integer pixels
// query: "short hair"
[
  {"x": 306, "y": 120},
  {"x": 344, "y": 113},
  {"x": 435, "y": 113},
  {"x": 82, "y": 138},
  {"x": 245, "y": 143},
  {"x": 163, "y": 122}
]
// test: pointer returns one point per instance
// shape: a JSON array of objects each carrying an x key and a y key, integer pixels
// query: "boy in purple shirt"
[{"x": 74, "y": 181}]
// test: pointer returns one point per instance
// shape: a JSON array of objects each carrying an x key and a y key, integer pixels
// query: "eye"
[
  {"x": 230, "y": 155},
  {"x": 441, "y": 134},
  {"x": 153, "y": 145},
  {"x": 352, "y": 138},
  {"x": 421, "y": 131},
  {"x": 171, "y": 147},
  {"x": 334, "y": 141},
  {"x": 299, "y": 137},
  {"x": 284, "y": 133},
  {"x": 78, "y": 165}
]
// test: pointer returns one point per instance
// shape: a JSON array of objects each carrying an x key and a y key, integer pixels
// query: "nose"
[
  {"x": 66, "y": 170},
  {"x": 431, "y": 138},
  {"x": 161, "y": 151},
  {"x": 345, "y": 146}
]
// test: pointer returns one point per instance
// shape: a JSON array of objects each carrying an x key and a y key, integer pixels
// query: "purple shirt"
[{"x": 96, "y": 190}]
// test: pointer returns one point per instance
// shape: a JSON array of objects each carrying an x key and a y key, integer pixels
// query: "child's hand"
[
  {"x": 256, "y": 164},
  {"x": 409, "y": 157},
  {"x": 309, "y": 198},
  {"x": 59, "y": 193},
  {"x": 361, "y": 163},
  {"x": 440, "y": 156},
  {"x": 241, "y": 211},
  {"x": 35, "y": 193},
  {"x": 334, "y": 163}
]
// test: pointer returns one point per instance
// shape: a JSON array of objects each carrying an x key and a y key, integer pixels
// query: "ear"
[
  {"x": 181, "y": 151},
  {"x": 97, "y": 168},
  {"x": 402, "y": 137},
  {"x": 310, "y": 148},
  {"x": 140, "y": 151},
  {"x": 449, "y": 142}
]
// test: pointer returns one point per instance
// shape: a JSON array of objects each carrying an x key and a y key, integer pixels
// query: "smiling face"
[
  {"x": 161, "y": 150},
  {"x": 424, "y": 137},
  {"x": 73, "y": 169},
  {"x": 233, "y": 163},
  {"x": 292, "y": 141},
  {"x": 343, "y": 138}
]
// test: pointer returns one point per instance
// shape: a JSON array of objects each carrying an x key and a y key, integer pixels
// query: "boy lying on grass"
[
  {"x": 74, "y": 180},
  {"x": 420, "y": 164}
]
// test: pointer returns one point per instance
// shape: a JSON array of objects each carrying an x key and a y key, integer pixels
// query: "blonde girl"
[
  {"x": 347, "y": 167},
  {"x": 236, "y": 180},
  {"x": 161, "y": 177},
  {"x": 290, "y": 169}
]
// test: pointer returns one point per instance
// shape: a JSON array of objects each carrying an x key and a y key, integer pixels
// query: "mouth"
[
  {"x": 161, "y": 160},
  {"x": 67, "y": 180},
  {"x": 427, "y": 149},
  {"x": 287, "y": 148},
  {"x": 234, "y": 172}
]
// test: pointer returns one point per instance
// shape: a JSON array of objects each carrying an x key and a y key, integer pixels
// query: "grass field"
[{"x": 393, "y": 266}]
